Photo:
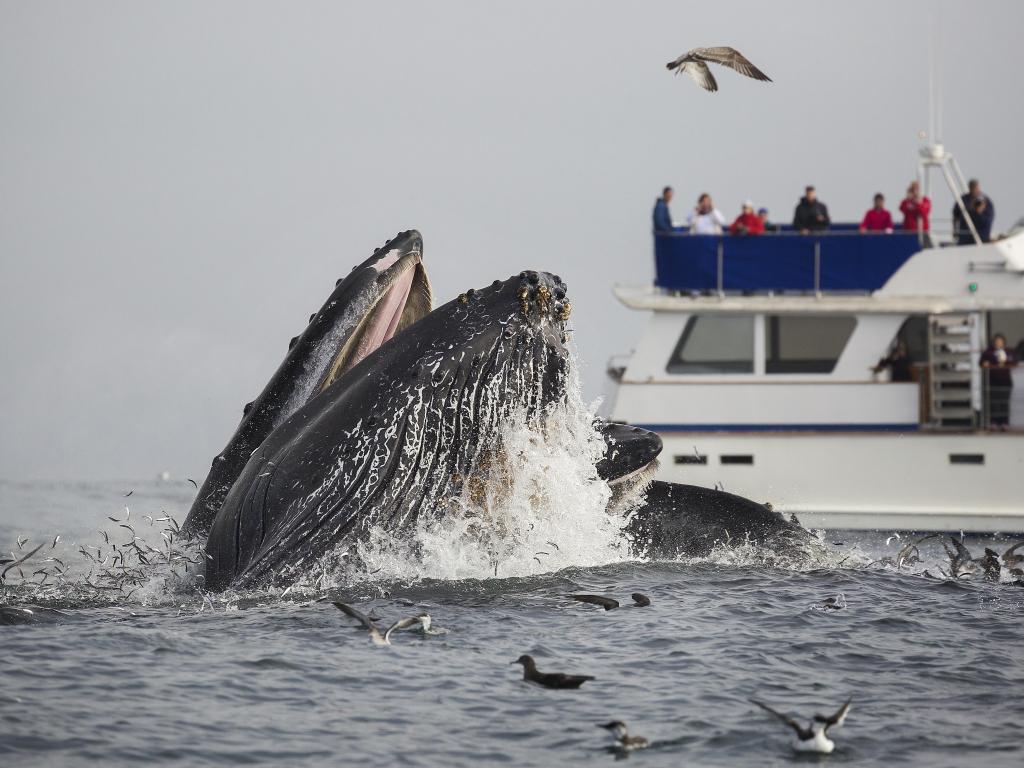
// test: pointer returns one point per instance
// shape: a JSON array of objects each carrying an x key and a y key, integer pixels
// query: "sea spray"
[{"x": 536, "y": 506}]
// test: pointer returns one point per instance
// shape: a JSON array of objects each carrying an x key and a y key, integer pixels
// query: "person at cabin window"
[
  {"x": 705, "y": 219},
  {"x": 877, "y": 219},
  {"x": 662, "y": 217},
  {"x": 811, "y": 215},
  {"x": 898, "y": 362},
  {"x": 981, "y": 211},
  {"x": 915, "y": 209},
  {"x": 997, "y": 362},
  {"x": 748, "y": 222}
]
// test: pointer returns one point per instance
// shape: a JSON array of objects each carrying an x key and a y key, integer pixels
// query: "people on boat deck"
[
  {"x": 915, "y": 209},
  {"x": 981, "y": 212},
  {"x": 705, "y": 219},
  {"x": 997, "y": 361},
  {"x": 898, "y": 362},
  {"x": 662, "y": 217},
  {"x": 877, "y": 219},
  {"x": 766, "y": 225},
  {"x": 748, "y": 222},
  {"x": 811, "y": 215}
]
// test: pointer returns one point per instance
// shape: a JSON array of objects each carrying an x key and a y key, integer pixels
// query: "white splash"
[{"x": 540, "y": 509}]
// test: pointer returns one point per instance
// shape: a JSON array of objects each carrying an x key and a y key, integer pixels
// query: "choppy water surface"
[{"x": 168, "y": 677}]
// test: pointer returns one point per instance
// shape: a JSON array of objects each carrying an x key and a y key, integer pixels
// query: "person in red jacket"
[
  {"x": 877, "y": 219},
  {"x": 915, "y": 209},
  {"x": 748, "y": 222}
]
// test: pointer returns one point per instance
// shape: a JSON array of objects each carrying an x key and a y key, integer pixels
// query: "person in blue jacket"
[{"x": 662, "y": 218}]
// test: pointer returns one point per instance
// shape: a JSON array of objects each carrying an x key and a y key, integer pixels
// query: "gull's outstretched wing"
[
  {"x": 605, "y": 602},
  {"x": 802, "y": 732},
  {"x": 835, "y": 720},
  {"x": 729, "y": 57},
  {"x": 365, "y": 620},
  {"x": 701, "y": 75},
  {"x": 400, "y": 625}
]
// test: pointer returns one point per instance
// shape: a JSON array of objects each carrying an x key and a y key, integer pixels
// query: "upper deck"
[
  {"x": 841, "y": 269},
  {"x": 841, "y": 259}
]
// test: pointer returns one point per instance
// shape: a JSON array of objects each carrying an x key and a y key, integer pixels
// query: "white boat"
[{"x": 756, "y": 368}]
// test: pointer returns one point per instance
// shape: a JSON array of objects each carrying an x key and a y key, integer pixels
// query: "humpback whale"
[
  {"x": 676, "y": 520},
  {"x": 379, "y": 298},
  {"x": 384, "y": 411},
  {"x": 401, "y": 434}
]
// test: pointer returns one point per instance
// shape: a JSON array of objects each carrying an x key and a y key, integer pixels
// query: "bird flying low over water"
[
  {"x": 549, "y": 679},
  {"x": 813, "y": 738},
  {"x": 695, "y": 64}
]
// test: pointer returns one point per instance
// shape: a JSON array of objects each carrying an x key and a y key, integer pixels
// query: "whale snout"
[{"x": 543, "y": 296}]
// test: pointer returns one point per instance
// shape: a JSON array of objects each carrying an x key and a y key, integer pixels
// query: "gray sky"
[{"x": 182, "y": 183}]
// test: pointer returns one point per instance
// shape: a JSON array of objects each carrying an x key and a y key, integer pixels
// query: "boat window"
[
  {"x": 805, "y": 343},
  {"x": 715, "y": 344}
]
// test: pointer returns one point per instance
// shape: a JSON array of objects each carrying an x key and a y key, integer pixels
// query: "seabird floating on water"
[
  {"x": 549, "y": 679},
  {"x": 376, "y": 636},
  {"x": 695, "y": 64},
  {"x": 623, "y": 741},
  {"x": 836, "y": 603},
  {"x": 813, "y": 738},
  {"x": 639, "y": 600}
]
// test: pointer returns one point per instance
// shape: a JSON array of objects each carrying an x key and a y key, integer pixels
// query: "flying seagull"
[
  {"x": 695, "y": 64},
  {"x": 813, "y": 738}
]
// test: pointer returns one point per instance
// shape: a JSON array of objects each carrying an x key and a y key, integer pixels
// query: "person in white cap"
[{"x": 748, "y": 222}]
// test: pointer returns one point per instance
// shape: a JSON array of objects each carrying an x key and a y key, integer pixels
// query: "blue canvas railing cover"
[{"x": 839, "y": 260}]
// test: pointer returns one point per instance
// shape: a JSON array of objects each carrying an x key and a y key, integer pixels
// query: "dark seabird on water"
[
  {"x": 695, "y": 64},
  {"x": 549, "y": 679},
  {"x": 639, "y": 601},
  {"x": 813, "y": 738},
  {"x": 836, "y": 603},
  {"x": 623, "y": 741},
  {"x": 376, "y": 636}
]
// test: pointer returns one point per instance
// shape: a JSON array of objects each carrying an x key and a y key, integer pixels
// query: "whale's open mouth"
[{"x": 404, "y": 298}]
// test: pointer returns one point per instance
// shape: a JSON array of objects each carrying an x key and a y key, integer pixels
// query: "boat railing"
[{"x": 841, "y": 259}]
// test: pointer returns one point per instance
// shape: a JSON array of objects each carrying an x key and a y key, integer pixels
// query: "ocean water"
[{"x": 161, "y": 674}]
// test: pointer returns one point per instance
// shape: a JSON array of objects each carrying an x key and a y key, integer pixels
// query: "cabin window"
[
  {"x": 805, "y": 343},
  {"x": 715, "y": 344}
]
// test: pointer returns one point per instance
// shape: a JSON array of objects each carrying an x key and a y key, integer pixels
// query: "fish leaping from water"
[{"x": 695, "y": 64}]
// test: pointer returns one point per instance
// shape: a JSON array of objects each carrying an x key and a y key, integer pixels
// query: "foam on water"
[{"x": 539, "y": 508}]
